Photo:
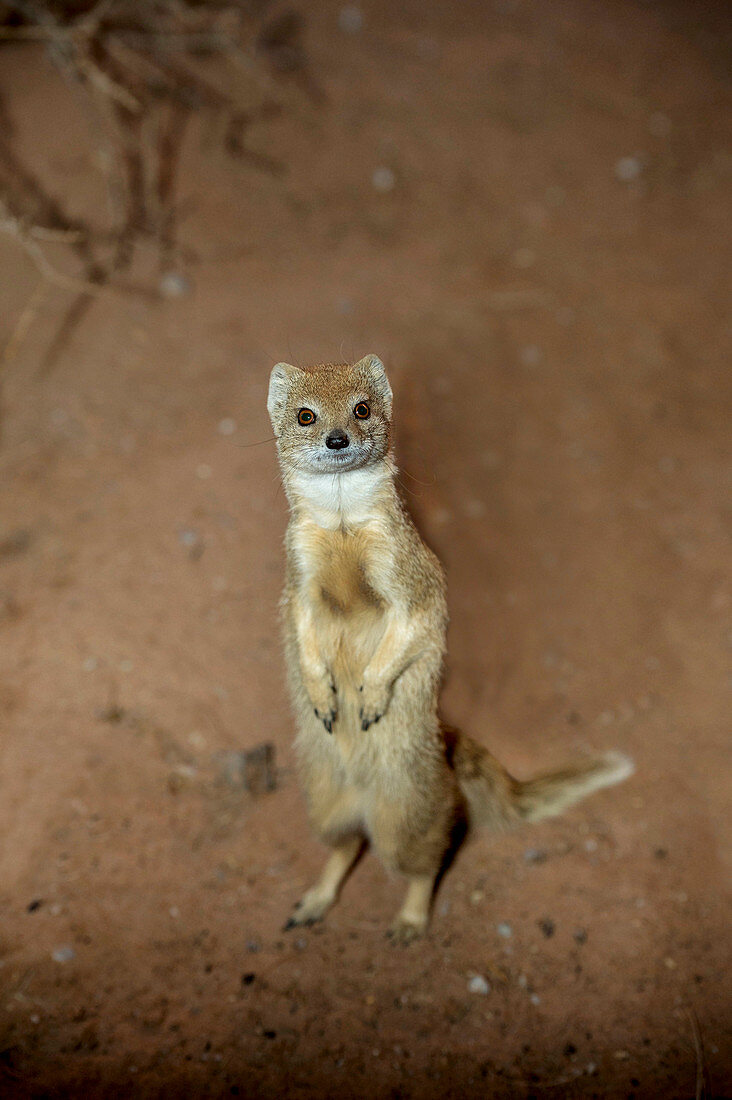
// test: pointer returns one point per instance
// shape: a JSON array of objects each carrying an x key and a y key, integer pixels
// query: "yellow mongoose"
[{"x": 365, "y": 617}]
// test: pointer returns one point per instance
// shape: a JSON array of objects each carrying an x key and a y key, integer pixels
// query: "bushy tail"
[{"x": 494, "y": 798}]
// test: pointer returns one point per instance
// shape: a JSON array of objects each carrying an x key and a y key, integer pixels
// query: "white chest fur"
[{"x": 348, "y": 499}]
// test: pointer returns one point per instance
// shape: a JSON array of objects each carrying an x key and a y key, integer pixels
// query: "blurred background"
[{"x": 523, "y": 208}]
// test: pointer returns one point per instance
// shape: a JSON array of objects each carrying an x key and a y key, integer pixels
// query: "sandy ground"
[{"x": 542, "y": 268}]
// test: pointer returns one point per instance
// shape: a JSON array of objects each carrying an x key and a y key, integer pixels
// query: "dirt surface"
[{"x": 540, "y": 260}]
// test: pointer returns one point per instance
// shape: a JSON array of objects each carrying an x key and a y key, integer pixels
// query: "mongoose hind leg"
[
  {"x": 415, "y": 846},
  {"x": 317, "y": 901},
  {"x": 413, "y": 917}
]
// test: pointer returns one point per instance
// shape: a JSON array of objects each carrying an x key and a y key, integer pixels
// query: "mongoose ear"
[
  {"x": 279, "y": 384},
  {"x": 374, "y": 368}
]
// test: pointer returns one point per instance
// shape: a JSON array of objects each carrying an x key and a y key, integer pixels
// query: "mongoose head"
[{"x": 330, "y": 418}]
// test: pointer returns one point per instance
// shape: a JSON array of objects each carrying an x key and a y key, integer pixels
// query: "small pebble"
[
  {"x": 203, "y": 471},
  {"x": 63, "y": 954},
  {"x": 531, "y": 355},
  {"x": 227, "y": 426},
  {"x": 580, "y": 936},
  {"x": 535, "y": 855},
  {"x": 188, "y": 537},
  {"x": 350, "y": 19},
  {"x": 627, "y": 169},
  {"x": 383, "y": 179},
  {"x": 174, "y": 284},
  {"x": 478, "y": 984},
  {"x": 669, "y": 963},
  {"x": 504, "y": 930},
  {"x": 534, "y": 213},
  {"x": 191, "y": 539},
  {"x": 174, "y": 912},
  {"x": 621, "y": 1055},
  {"x": 535, "y": 999},
  {"x": 659, "y": 124},
  {"x": 90, "y": 664},
  {"x": 523, "y": 258}
]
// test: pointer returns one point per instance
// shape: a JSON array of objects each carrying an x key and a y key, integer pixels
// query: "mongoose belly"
[{"x": 349, "y": 614}]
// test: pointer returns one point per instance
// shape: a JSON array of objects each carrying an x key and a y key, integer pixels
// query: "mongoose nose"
[{"x": 337, "y": 440}]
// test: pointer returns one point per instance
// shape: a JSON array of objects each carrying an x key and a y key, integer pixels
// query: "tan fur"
[{"x": 365, "y": 616}]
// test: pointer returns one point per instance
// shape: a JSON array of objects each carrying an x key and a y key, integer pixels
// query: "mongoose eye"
[
  {"x": 362, "y": 411},
  {"x": 305, "y": 417}
]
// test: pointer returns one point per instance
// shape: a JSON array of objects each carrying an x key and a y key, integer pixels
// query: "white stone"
[
  {"x": 383, "y": 179},
  {"x": 478, "y": 984},
  {"x": 628, "y": 169}
]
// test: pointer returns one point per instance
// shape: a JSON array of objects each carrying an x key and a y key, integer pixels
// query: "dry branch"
[{"x": 134, "y": 69}]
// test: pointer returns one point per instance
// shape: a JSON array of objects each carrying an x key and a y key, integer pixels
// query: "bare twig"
[
  {"x": 13, "y": 227},
  {"x": 700, "y": 1090},
  {"x": 23, "y": 324},
  {"x": 135, "y": 71},
  {"x": 72, "y": 319}
]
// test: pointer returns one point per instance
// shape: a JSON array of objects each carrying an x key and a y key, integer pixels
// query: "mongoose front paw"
[
  {"x": 325, "y": 702},
  {"x": 374, "y": 703}
]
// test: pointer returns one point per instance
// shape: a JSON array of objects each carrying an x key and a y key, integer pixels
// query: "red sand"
[{"x": 557, "y": 343}]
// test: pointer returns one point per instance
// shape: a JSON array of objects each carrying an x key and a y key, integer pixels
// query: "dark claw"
[
  {"x": 292, "y": 923},
  {"x": 365, "y": 723},
  {"x": 327, "y": 721}
]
